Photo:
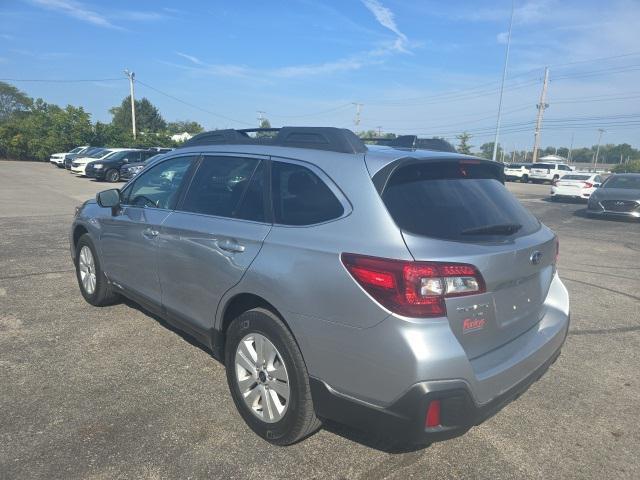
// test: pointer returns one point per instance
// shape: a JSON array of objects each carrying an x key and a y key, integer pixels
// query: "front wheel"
[
  {"x": 525, "y": 179},
  {"x": 112, "y": 175},
  {"x": 268, "y": 378},
  {"x": 93, "y": 283}
]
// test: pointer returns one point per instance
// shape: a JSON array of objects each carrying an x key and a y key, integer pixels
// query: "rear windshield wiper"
[{"x": 498, "y": 229}]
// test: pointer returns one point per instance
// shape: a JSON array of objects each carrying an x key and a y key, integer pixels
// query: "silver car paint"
[{"x": 349, "y": 341}]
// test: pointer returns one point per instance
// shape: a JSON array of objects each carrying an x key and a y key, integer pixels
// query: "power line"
[
  {"x": 316, "y": 114},
  {"x": 193, "y": 105},
  {"x": 52, "y": 80}
]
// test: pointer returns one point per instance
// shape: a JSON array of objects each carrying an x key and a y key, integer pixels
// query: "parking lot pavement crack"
[
  {"x": 604, "y": 331},
  {"x": 33, "y": 274},
  {"x": 594, "y": 285}
]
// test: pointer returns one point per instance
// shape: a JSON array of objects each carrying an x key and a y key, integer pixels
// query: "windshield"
[
  {"x": 76, "y": 150},
  {"x": 514, "y": 165},
  {"x": 118, "y": 155},
  {"x": 99, "y": 154},
  {"x": 620, "y": 181},
  {"x": 576, "y": 177},
  {"x": 455, "y": 201}
]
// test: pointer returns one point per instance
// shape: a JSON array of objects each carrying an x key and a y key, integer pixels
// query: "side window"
[
  {"x": 159, "y": 186},
  {"x": 564, "y": 167},
  {"x": 300, "y": 197},
  {"x": 219, "y": 185}
]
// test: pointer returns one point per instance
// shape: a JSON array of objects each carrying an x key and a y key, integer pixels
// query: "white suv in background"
[
  {"x": 517, "y": 171},
  {"x": 548, "y": 171},
  {"x": 58, "y": 158}
]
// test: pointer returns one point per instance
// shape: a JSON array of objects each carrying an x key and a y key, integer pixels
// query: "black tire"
[
  {"x": 112, "y": 175},
  {"x": 103, "y": 294},
  {"x": 299, "y": 420},
  {"x": 525, "y": 179}
]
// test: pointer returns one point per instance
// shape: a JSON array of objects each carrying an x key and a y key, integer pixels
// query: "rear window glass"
[
  {"x": 455, "y": 201},
  {"x": 623, "y": 182},
  {"x": 576, "y": 177},
  {"x": 544, "y": 165},
  {"x": 514, "y": 165}
]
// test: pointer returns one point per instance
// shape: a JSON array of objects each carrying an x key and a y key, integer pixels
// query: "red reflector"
[
  {"x": 433, "y": 415},
  {"x": 373, "y": 278},
  {"x": 588, "y": 184}
]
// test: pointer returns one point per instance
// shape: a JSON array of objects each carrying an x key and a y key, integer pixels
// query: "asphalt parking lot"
[{"x": 114, "y": 393}]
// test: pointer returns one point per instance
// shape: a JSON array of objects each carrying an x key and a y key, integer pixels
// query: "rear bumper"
[{"x": 404, "y": 420}]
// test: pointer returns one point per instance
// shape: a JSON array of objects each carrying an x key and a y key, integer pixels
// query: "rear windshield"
[
  {"x": 576, "y": 177},
  {"x": 623, "y": 182},
  {"x": 455, "y": 201},
  {"x": 544, "y": 165},
  {"x": 514, "y": 165}
]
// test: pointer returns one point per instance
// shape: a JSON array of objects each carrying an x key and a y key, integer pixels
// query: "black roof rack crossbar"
[{"x": 317, "y": 138}]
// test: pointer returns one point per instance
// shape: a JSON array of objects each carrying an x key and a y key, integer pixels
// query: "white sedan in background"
[
  {"x": 576, "y": 185},
  {"x": 79, "y": 165}
]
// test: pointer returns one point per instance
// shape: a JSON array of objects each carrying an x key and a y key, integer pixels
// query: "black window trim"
[
  {"x": 266, "y": 194},
  {"x": 347, "y": 208},
  {"x": 186, "y": 180}
]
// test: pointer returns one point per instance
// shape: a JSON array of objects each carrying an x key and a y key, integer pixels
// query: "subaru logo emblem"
[{"x": 535, "y": 257}]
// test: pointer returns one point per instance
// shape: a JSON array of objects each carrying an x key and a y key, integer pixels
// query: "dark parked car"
[
  {"x": 109, "y": 168},
  {"x": 68, "y": 160},
  {"x": 130, "y": 170},
  {"x": 619, "y": 196}
]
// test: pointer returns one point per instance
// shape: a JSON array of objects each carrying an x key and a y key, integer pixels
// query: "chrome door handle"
[
  {"x": 230, "y": 246},
  {"x": 150, "y": 233}
]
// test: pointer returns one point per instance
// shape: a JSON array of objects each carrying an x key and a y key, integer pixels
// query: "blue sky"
[{"x": 425, "y": 67}]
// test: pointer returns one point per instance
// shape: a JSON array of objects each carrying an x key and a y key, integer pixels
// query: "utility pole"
[
  {"x": 595, "y": 158},
  {"x": 356, "y": 120},
  {"x": 131, "y": 76},
  {"x": 541, "y": 107},
  {"x": 570, "y": 148},
  {"x": 379, "y": 131},
  {"x": 504, "y": 74},
  {"x": 260, "y": 117}
]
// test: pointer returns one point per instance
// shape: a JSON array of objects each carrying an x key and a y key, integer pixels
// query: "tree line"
[{"x": 32, "y": 129}]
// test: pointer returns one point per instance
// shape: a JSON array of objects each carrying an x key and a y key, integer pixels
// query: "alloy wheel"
[
  {"x": 87, "y": 267},
  {"x": 262, "y": 377}
]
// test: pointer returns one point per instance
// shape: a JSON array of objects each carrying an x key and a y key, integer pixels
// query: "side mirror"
[
  {"x": 597, "y": 185},
  {"x": 109, "y": 198}
]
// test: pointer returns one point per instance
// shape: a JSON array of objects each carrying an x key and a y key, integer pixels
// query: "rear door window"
[
  {"x": 219, "y": 185},
  {"x": 455, "y": 201},
  {"x": 300, "y": 197}
]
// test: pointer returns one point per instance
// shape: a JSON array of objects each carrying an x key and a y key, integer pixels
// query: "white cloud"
[
  {"x": 502, "y": 37},
  {"x": 385, "y": 17},
  {"x": 76, "y": 10},
  {"x": 191, "y": 58},
  {"x": 81, "y": 12}
]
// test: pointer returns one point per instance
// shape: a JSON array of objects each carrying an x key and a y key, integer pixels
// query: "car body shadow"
[{"x": 582, "y": 213}]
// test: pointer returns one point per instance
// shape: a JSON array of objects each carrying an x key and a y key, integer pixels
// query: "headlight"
[{"x": 97, "y": 166}]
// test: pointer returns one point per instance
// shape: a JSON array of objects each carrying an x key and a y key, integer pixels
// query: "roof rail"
[
  {"x": 316, "y": 138},
  {"x": 414, "y": 143}
]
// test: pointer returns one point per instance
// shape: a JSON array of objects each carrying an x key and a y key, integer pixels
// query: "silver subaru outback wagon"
[{"x": 404, "y": 292}]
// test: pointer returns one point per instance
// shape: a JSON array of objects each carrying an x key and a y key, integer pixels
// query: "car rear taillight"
[
  {"x": 588, "y": 185},
  {"x": 413, "y": 289}
]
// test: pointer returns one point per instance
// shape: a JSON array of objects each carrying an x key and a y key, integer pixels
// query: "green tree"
[
  {"x": 148, "y": 118},
  {"x": 631, "y": 167},
  {"x": 463, "y": 143},
  {"x": 182, "y": 126},
  {"x": 12, "y": 101},
  {"x": 486, "y": 151}
]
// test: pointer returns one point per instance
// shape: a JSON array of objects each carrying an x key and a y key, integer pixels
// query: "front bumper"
[
  {"x": 404, "y": 420},
  {"x": 94, "y": 172}
]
